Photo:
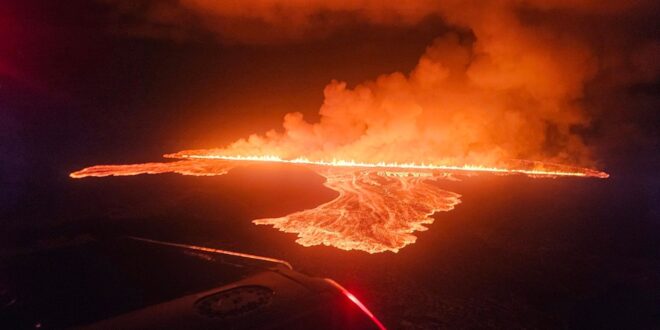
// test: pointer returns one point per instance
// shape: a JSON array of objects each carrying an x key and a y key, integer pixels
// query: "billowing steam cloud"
[
  {"x": 465, "y": 102},
  {"x": 509, "y": 88}
]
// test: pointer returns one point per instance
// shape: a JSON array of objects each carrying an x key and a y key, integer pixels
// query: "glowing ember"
[{"x": 379, "y": 207}]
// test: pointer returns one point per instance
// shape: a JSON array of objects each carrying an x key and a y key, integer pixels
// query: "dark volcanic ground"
[{"x": 517, "y": 252}]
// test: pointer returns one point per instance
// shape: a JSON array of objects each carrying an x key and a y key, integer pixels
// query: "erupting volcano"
[{"x": 488, "y": 95}]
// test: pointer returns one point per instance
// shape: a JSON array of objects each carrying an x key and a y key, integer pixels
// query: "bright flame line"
[{"x": 409, "y": 166}]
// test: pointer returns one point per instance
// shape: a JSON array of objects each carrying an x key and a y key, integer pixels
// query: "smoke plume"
[{"x": 508, "y": 83}]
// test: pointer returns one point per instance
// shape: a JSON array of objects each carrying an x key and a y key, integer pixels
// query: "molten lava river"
[{"x": 379, "y": 206}]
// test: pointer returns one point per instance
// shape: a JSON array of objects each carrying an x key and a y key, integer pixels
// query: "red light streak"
[{"x": 357, "y": 302}]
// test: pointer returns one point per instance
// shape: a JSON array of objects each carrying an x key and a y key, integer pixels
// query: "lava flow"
[
  {"x": 374, "y": 212},
  {"x": 184, "y": 167},
  {"x": 379, "y": 207}
]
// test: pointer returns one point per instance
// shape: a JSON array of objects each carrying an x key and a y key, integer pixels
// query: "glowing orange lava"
[
  {"x": 374, "y": 212},
  {"x": 379, "y": 207},
  {"x": 184, "y": 167}
]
